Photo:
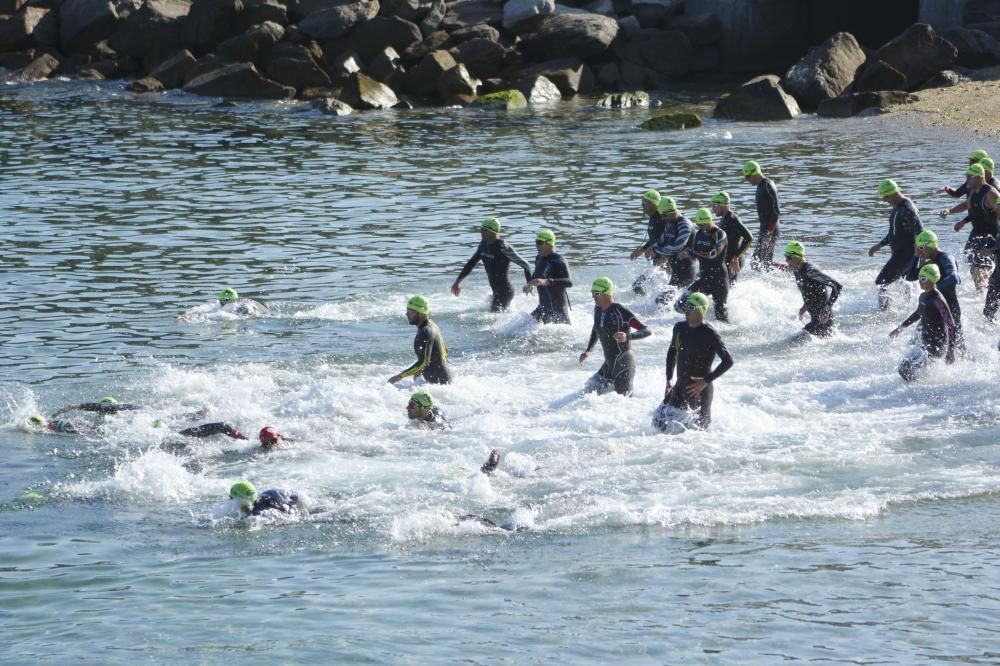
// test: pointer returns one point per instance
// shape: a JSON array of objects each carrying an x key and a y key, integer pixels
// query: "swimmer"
[
  {"x": 904, "y": 225},
  {"x": 60, "y": 426},
  {"x": 209, "y": 429},
  {"x": 937, "y": 328},
  {"x": 421, "y": 409},
  {"x": 654, "y": 229},
  {"x": 492, "y": 462},
  {"x": 738, "y": 236},
  {"x": 928, "y": 253},
  {"x": 709, "y": 245},
  {"x": 813, "y": 284},
  {"x": 105, "y": 406},
  {"x": 496, "y": 256},
  {"x": 239, "y": 305},
  {"x": 428, "y": 345},
  {"x": 669, "y": 247},
  {"x": 768, "y": 213},
  {"x": 551, "y": 276},
  {"x": 982, "y": 206},
  {"x": 693, "y": 346},
  {"x": 613, "y": 326},
  {"x": 275, "y": 499},
  {"x": 974, "y": 158}
]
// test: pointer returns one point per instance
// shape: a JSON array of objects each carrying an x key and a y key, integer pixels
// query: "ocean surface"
[{"x": 831, "y": 514}]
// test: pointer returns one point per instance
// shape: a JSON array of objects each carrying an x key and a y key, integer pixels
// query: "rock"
[
  {"x": 18, "y": 60},
  {"x": 629, "y": 25},
  {"x": 332, "y": 106},
  {"x": 432, "y": 42},
  {"x": 12, "y": 6},
  {"x": 373, "y": 35},
  {"x": 918, "y": 54},
  {"x": 253, "y": 45},
  {"x": 343, "y": 66},
  {"x": 483, "y": 58},
  {"x": 146, "y": 85},
  {"x": 424, "y": 78},
  {"x": 701, "y": 29},
  {"x": 468, "y": 33},
  {"x": 760, "y": 98},
  {"x": 294, "y": 65},
  {"x": 175, "y": 71},
  {"x": 673, "y": 120},
  {"x": 337, "y": 20},
  {"x": 853, "y": 104},
  {"x": 374, "y": 95},
  {"x": 503, "y": 99},
  {"x": 945, "y": 79},
  {"x": 667, "y": 52},
  {"x": 90, "y": 74},
  {"x": 539, "y": 90},
  {"x": 526, "y": 15},
  {"x": 256, "y": 12},
  {"x": 976, "y": 49},
  {"x": 625, "y": 100},
  {"x": 653, "y": 13},
  {"x": 204, "y": 65},
  {"x": 211, "y": 23},
  {"x": 152, "y": 33},
  {"x": 432, "y": 21},
  {"x": 409, "y": 10},
  {"x": 826, "y": 71},
  {"x": 386, "y": 67},
  {"x": 879, "y": 75},
  {"x": 108, "y": 68},
  {"x": 38, "y": 69},
  {"x": 706, "y": 58},
  {"x": 602, "y": 7},
  {"x": 579, "y": 35},
  {"x": 85, "y": 22},
  {"x": 457, "y": 86},
  {"x": 238, "y": 80},
  {"x": 30, "y": 27},
  {"x": 565, "y": 73},
  {"x": 633, "y": 75},
  {"x": 463, "y": 13},
  {"x": 608, "y": 76}
]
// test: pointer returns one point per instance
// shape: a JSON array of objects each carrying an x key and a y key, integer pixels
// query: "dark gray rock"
[
  {"x": 344, "y": 66},
  {"x": 579, "y": 35},
  {"x": 238, "y": 80},
  {"x": 826, "y": 71},
  {"x": 483, "y": 58},
  {"x": 153, "y": 32},
  {"x": 31, "y": 27},
  {"x": 372, "y": 36},
  {"x": 945, "y": 79},
  {"x": 432, "y": 42},
  {"x": 337, "y": 20},
  {"x": 655, "y": 13},
  {"x": 374, "y": 95},
  {"x": 667, "y": 52},
  {"x": 526, "y": 15},
  {"x": 609, "y": 76},
  {"x": 463, "y": 13},
  {"x": 701, "y": 29},
  {"x": 205, "y": 64},
  {"x": 175, "y": 71},
  {"x": 918, "y": 54},
  {"x": 706, "y": 58},
  {"x": 295, "y": 65},
  {"x": 625, "y": 100},
  {"x": 145, "y": 85},
  {"x": 253, "y": 45},
  {"x": 434, "y": 17},
  {"x": 85, "y": 22},
  {"x": 332, "y": 106},
  {"x": 976, "y": 49},
  {"x": 566, "y": 73},
  {"x": 256, "y": 12},
  {"x": 18, "y": 60},
  {"x": 11, "y": 6},
  {"x": 458, "y": 86},
  {"x": 880, "y": 75},
  {"x": 386, "y": 67},
  {"x": 211, "y": 23},
  {"x": 424, "y": 78},
  {"x": 478, "y": 31},
  {"x": 38, "y": 69},
  {"x": 89, "y": 74},
  {"x": 853, "y": 104},
  {"x": 539, "y": 90},
  {"x": 410, "y": 10},
  {"x": 629, "y": 26},
  {"x": 761, "y": 98}
]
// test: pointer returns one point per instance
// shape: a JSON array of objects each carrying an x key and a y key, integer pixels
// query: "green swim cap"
[
  {"x": 887, "y": 188},
  {"x": 158, "y": 423},
  {"x": 721, "y": 198},
  {"x": 603, "y": 285},
  {"x": 978, "y": 154},
  {"x": 422, "y": 398},
  {"x": 37, "y": 421},
  {"x": 976, "y": 171},
  {"x": 930, "y": 272},
  {"x": 750, "y": 167},
  {"x": 243, "y": 490},
  {"x": 419, "y": 304},
  {"x": 699, "y": 301},
  {"x": 795, "y": 249},
  {"x": 30, "y": 496},
  {"x": 108, "y": 401},
  {"x": 927, "y": 239},
  {"x": 702, "y": 217},
  {"x": 546, "y": 236},
  {"x": 987, "y": 164},
  {"x": 491, "y": 224},
  {"x": 667, "y": 205},
  {"x": 652, "y": 196},
  {"x": 228, "y": 295}
]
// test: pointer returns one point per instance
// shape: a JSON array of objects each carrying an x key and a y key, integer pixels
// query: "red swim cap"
[{"x": 269, "y": 436}]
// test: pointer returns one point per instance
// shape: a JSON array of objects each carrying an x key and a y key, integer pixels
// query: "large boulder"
[
  {"x": 256, "y": 12},
  {"x": 153, "y": 32},
  {"x": 539, "y": 90},
  {"x": 373, "y": 35},
  {"x": 434, "y": 17},
  {"x": 432, "y": 42},
  {"x": 86, "y": 22},
  {"x": 526, "y": 15},
  {"x": 30, "y": 27},
  {"x": 423, "y": 79},
  {"x": 410, "y": 10},
  {"x": 38, "y": 69},
  {"x": 332, "y": 106},
  {"x": 502, "y": 99},
  {"x": 387, "y": 68},
  {"x": 880, "y": 75},
  {"x": 463, "y": 13},
  {"x": 457, "y": 86},
  {"x": 625, "y": 100},
  {"x": 144, "y": 85},
  {"x": 295, "y": 66},
  {"x": 826, "y": 71},
  {"x": 667, "y": 52},
  {"x": 976, "y": 49},
  {"x": 672, "y": 120},
  {"x": 918, "y": 54},
  {"x": 853, "y": 104},
  {"x": 654, "y": 13},
  {"x": 374, "y": 95},
  {"x": 210, "y": 23},
  {"x": 11, "y": 6},
  {"x": 568, "y": 74},
  {"x": 701, "y": 29},
  {"x": 569, "y": 35},
  {"x": 761, "y": 98},
  {"x": 238, "y": 80},
  {"x": 336, "y": 20},
  {"x": 483, "y": 57},
  {"x": 253, "y": 45},
  {"x": 468, "y": 33},
  {"x": 176, "y": 70}
]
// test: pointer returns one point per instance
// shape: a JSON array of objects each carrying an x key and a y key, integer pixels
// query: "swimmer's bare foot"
[{"x": 491, "y": 463}]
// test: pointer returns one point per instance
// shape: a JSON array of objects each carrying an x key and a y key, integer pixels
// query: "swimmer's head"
[
  {"x": 795, "y": 250},
  {"x": 158, "y": 423},
  {"x": 750, "y": 168},
  {"x": 720, "y": 198},
  {"x": 976, "y": 171},
  {"x": 977, "y": 155},
  {"x": 420, "y": 403},
  {"x": 650, "y": 199},
  {"x": 602, "y": 286},
  {"x": 243, "y": 491},
  {"x": 703, "y": 217},
  {"x": 107, "y": 401},
  {"x": 418, "y": 304},
  {"x": 36, "y": 421},
  {"x": 930, "y": 273},
  {"x": 228, "y": 295},
  {"x": 269, "y": 437},
  {"x": 698, "y": 301},
  {"x": 887, "y": 187},
  {"x": 545, "y": 237},
  {"x": 927, "y": 239},
  {"x": 666, "y": 205},
  {"x": 490, "y": 224},
  {"x": 987, "y": 164}
]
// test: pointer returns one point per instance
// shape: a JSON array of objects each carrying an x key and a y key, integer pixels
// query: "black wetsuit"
[
  {"x": 432, "y": 355},
  {"x": 692, "y": 350},
  {"x": 553, "y": 302},
  {"x": 738, "y": 239},
  {"x": 937, "y": 332},
  {"x": 103, "y": 409},
  {"x": 904, "y": 225},
  {"x": 713, "y": 275},
  {"x": 947, "y": 285},
  {"x": 618, "y": 369},
  {"x": 984, "y": 225},
  {"x": 209, "y": 429},
  {"x": 277, "y": 499},
  {"x": 963, "y": 189},
  {"x": 654, "y": 229},
  {"x": 497, "y": 257},
  {"x": 245, "y": 307},
  {"x": 435, "y": 420},
  {"x": 69, "y": 427},
  {"x": 812, "y": 284},
  {"x": 992, "y": 244},
  {"x": 768, "y": 213},
  {"x": 675, "y": 238}
]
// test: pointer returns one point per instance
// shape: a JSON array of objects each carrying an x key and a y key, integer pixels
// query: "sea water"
[{"x": 831, "y": 513}]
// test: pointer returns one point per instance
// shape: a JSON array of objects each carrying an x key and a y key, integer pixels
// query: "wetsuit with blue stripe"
[
  {"x": 675, "y": 238},
  {"x": 654, "y": 229},
  {"x": 497, "y": 257},
  {"x": 692, "y": 350},
  {"x": 768, "y": 213},
  {"x": 432, "y": 355},
  {"x": 618, "y": 370},
  {"x": 275, "y": 499},
  {"x": 812, "y": 284},
  {"x": 553, "y": 302},
  {"x": 713, "y": 274},
  {"x": 904, "y": 225},
  {"x": 947, "y": 285}
]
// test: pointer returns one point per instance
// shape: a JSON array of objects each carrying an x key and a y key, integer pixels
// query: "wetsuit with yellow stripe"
[{"x": 432, "y": 355}]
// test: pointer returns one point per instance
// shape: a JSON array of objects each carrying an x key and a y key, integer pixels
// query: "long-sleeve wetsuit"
[
  {"x": 553, "y": 302},
  {"x": 937, "y": 328},
  {"x": 432, "y": 355},
  {"x": 654, "y": 229},
  {"x": 675, "y": 238},
  {"x": 983, "y": 221},
  {"x": 738, "y": 237},
  {"x": 275, "y": 499},
  {"x": 768, "y": 213},
  {"x": 713, "y": 274},
  {"x": 209, "y": 429},
  {"x": 618, "y": 369},
  {"x": 904, "y": 225},
  {"x": 497, "y": 257},
  {"x": 947, "y": 285},
  {"x": 813, "y": 284},
  {"x": 692, "y": 350},
  {"x": 103, "y": 409},
  {"x": 435, "y": 420},
  {"x": 992, "y": 245}
]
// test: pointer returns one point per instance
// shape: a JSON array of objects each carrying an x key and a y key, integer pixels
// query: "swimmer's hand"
[
  {"x": 583, "y": 357},
  {"x": 456, "y": 288},
  {"x": 894, "y": 333}
]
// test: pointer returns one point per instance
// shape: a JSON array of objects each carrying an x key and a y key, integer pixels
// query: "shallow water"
[{"x": 832, "y": 513}]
